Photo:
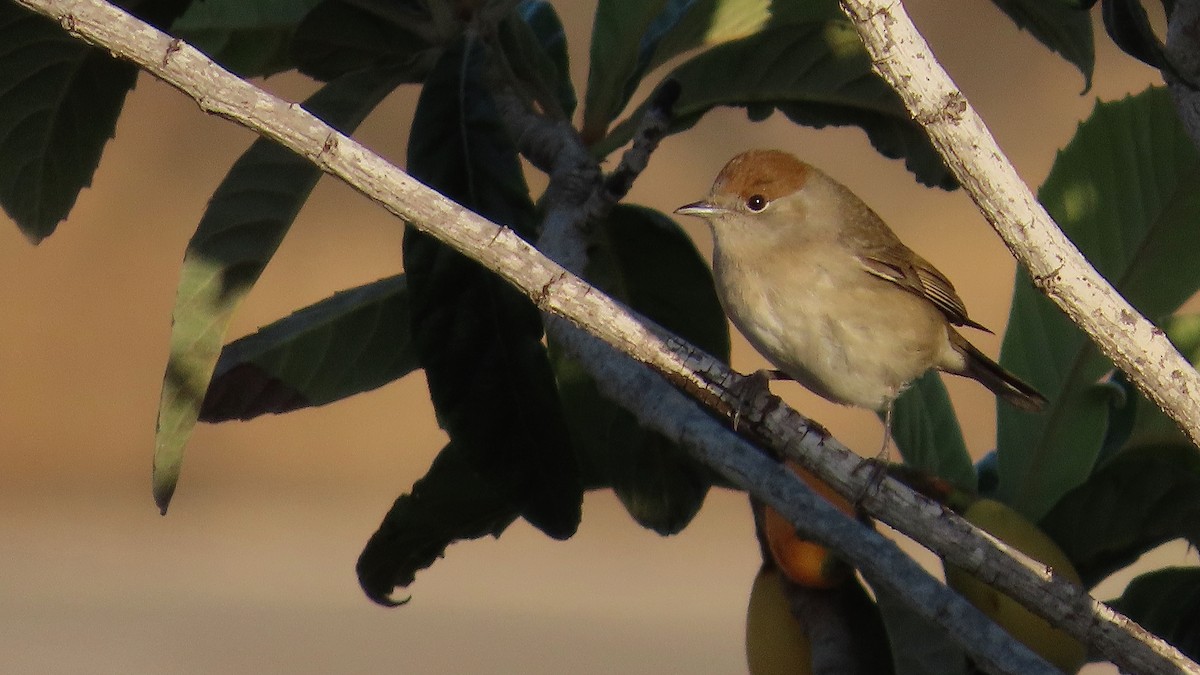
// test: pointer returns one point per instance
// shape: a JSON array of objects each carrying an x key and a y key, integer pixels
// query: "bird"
[{"x": 821, "y": 286}]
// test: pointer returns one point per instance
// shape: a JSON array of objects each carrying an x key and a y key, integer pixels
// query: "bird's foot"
[{"x": 750, "y": 387}]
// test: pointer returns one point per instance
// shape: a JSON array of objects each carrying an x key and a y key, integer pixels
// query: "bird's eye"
[{"x": 756, "y": 203}]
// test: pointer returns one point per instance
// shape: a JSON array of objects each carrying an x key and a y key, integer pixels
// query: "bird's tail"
[{"x": 1001, "y": 382}]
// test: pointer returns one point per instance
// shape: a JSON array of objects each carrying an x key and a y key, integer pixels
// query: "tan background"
[{"x": 253, "y": 570}]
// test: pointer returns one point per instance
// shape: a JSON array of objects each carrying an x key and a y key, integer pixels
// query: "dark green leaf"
[
  {"x": 1141, "y": 498},
  {"x": 1126, "y": 190},
  {"x": 353, "y": 342},
  {"x": 248, "y": 216},
  {"x": 616, "y": 36},
  {"x": 1122, "y": 414},
  {"x": 1129, "y": 27},
  {"x": 631, "y": 39},
  {"x": 59, "y": 103},
  {"x": 535, "y": 46},
  {"x": 684, "y": 25},
  {"x": 250, "y": 37},
  {"x": 1167, "y": 603},
  {"x": 453, "y": 501},
  {"x": 1064, "y": 29},
  {"x": 660, "y": 486},
  {"x": 478, "y": 339},
  {"x": 926, "y": 431},
  {"x": 865, "y": 631},
  {"x": 817, "y": 73},
  {"x": 919, "y": 646},
  {"x": 342, "y": 36},
  {"x": 644, "y": 259}
]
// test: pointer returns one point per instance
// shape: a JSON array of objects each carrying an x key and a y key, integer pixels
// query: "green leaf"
[
  {"x": 644, "y": 259},
  {"x": 250, "y": 37},
  {"x": 1122, "y": 414},
  {"x": 59, "y": 103},
  {"x": 247, "y": 218},
  {"x": 478, "y": 339},
  {"x": 919, "y": 646},
  {"x": 685, "y": 25},
  {"x": 629, "y": 40},
  {"x": 816, "y": 73},
  {"x": 660, "y": 486},
  {"x": 1066, "y": 30},
  {"x": 1141, "y": 498},
  {"x": 342, "y": 36},
  {"x": 1126, "y": 190},
  {"x": 453, "y": 501},
  {"x": 927, "y": 433},
  {"x": 535, "y": 46},
  {"x": 353, "y": 342},
  {"x": 1129, "y": 27},
  {"x": 1167, "y": 603},
  {"x": 617, "y": 34}
]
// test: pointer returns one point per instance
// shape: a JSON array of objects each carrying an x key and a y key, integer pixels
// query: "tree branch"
[
  {"x": 554, "y": 290},
  {"x": 1057, "y": 268}
]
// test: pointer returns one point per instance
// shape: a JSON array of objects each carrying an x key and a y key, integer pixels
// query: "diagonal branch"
[
  {"x": 1138, "y": 347},
  {"x": 555, "y": 291}
]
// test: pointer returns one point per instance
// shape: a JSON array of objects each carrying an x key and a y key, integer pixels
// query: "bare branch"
[
  {"x": 1136, "y": 346},
  {"x": 554, "y": 290}
]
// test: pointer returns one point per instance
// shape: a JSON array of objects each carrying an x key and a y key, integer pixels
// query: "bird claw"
[
  {"x": 879, "y": 469},
  {"x": 750, "y": 387}
]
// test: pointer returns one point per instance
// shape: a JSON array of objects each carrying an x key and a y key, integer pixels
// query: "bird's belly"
[{"x": 847, "y": 347}]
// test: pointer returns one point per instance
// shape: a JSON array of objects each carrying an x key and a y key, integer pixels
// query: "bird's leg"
[
  {"x": 879, "y": 462},
  {"x": 887, "y": 435}
]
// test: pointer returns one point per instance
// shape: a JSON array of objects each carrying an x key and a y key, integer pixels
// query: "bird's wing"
[{"x": 912, "y": 273}]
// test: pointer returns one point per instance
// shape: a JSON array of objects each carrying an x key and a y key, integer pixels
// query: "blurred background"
[{"x": 253, "y": 570}]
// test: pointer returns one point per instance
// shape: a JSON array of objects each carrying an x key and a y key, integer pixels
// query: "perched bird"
[{"x": 824, "y": 289}]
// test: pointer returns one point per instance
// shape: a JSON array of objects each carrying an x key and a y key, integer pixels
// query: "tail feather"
[{"x": 1001, "y": 382}]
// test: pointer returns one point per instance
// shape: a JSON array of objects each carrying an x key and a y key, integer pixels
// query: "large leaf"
[
  {"x": 342, "y": 36},
  {"x": 247, "y": 218},
  {"x": 535, "y": 46},
  {"x": 1129, "y": 27},
  {"x": 59, "y": 103},
  {"x": 1141, "y": 498},
  {"x": 1126, "y": 190},
  {"x": 353, "y": 342},
  {"x": 927, "y": 433},
  {"x": 453, "y": 501},
  {"x": 617, "y": 32},
  {"x": 478, "y": 339},
  {"x": 1167, "y": 603},
  {"x": 629, "y": 39},
  {"x": 1061, "y": 27},
  {"x": 644, "y": 259},
  {"x": 249, "y": 37},
  {"x": 684, "y": 25},
  {"x": 816, "y": 73}
]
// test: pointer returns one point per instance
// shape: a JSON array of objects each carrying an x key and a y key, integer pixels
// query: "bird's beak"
[{"x": 700, "y": 209}]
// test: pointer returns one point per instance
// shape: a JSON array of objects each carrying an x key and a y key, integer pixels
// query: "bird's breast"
[{"x": 846, "y": 335}]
